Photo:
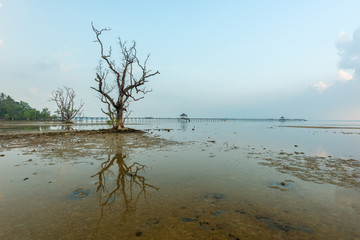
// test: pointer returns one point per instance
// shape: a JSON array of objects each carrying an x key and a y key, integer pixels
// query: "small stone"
[
  {"x": 50, "y": 182},
  {"x": 2, "y": 155},
  {"x": 295, "y": 145},
  {"x": 241, "y": 212},
  {"x": 26, "y": 178},
  {"x": 30, "y": 160},
  {"x": 283, "y": 183},
  {"x": 138, "y": 234}
]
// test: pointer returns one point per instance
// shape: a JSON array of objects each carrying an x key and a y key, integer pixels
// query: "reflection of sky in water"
[
  {"x": 23, "y": 127},
  {"x": 266, "y": 134}
]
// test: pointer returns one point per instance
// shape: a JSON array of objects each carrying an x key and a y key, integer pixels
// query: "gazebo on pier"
[{"x": 185, "y": 117}]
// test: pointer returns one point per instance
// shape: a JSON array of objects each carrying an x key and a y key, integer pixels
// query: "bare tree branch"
[
  {"x": 128, "y": 86},
  {"x": 65, "y": 101}
]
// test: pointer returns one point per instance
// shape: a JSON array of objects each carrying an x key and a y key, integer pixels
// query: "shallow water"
[
  {"x": 198, "y": 180},
  {"x": 16, "y": 127}
]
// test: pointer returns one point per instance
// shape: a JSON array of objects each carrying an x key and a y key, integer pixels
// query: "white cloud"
[
  {"x": 1, "y": 4},
  {"x": 320, "y": 86},
  {"x": 346, "y": 74},
  {"x": 348, "y": 47},
  {"x": 1, "y": 42},
  {"x": 344, "y": 37},
  {"x": 349, "y": 51}
]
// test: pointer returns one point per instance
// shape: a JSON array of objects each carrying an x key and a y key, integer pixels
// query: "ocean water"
[
  {"x": 338, "y": 138},
  {"x": 186, "y": 180}
]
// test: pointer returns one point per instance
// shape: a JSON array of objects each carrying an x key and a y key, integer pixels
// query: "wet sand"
[{"x": 132, "y": 185}]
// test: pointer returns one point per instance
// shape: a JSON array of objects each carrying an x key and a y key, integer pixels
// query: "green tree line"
[{"x": 13, "y": 110}]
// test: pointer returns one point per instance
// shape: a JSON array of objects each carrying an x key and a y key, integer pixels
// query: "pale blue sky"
[{"x": 298, "y": 59}]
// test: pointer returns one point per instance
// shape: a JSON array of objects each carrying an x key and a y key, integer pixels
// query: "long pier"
[{"x": 150, "y": 119}]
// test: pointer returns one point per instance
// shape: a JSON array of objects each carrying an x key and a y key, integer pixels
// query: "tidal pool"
[{"x": 220, "y": 180}]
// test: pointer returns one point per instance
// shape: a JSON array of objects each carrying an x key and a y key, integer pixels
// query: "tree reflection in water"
[
  {"x": 129, "y": 185},
  {"x": 66, "y": 128}
]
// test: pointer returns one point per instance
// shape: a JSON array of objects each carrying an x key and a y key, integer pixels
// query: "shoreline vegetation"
[{"x": 13, "y": 110}]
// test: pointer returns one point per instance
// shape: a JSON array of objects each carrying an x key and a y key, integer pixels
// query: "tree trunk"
[{"x": 119, "y": 119}]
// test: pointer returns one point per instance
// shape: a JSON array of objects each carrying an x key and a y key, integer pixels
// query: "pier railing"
[{"x": 149, "y": 119}]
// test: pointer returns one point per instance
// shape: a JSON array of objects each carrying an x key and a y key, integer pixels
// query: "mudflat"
[{"x": 132, "y": 184}]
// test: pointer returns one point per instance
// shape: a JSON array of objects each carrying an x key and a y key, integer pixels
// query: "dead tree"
[
  {"x": 65, "y": 101},
  {"x": 128, "y": 80}
]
